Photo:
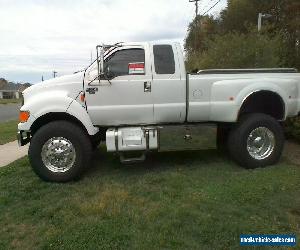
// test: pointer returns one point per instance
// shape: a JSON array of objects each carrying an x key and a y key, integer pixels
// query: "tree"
[
  {"x": 240, "y": 18},
  {"x": 285, "y": 20},
  {"x": 3, "y": 82},
  {"x": 234, "y": 50},
  {"x": 200, "y": 29}
]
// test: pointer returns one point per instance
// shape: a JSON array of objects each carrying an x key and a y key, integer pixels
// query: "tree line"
[{"x": 231, "y": 40}]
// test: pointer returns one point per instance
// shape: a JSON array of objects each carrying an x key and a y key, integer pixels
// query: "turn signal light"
[
  {"x": 24, "y": 116},
  {"x": 82, "y": 97}
]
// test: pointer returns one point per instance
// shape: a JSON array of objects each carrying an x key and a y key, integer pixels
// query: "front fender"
[
  {"x": 43, "y": 103},
  {"x": 55, "y": 102},
  {"x": 78, "y": 111}
]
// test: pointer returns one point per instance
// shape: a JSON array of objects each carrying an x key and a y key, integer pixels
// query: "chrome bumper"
[{"x": 23, "y": 137}]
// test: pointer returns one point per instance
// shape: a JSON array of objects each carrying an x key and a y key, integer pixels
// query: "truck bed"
[{"x": 216, "y": 95}]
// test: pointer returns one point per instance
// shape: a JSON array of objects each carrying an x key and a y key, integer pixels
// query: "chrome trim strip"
[
  {"x": 247, "y": 71},
  {"x": 147, "y": 139}
]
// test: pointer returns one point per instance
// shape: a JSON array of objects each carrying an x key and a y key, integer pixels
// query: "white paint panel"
[
  {"x": 199, "y": 111},
  {"x": 169, "y": 92},
  {"x": 199, "y": 98},
  {"x": 170, "y": 112},
  {"x": 224, "y": 111},
  {"x": 123, "y": 99},
  {"x": 223, "y": 94},
  {"x": 79, "y": 112},
  {"x": 121, "y": 114}
]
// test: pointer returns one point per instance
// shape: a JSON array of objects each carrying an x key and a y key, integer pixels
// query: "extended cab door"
[
  {"x": 168, "y": 87},
  {"x": 127, "y": 98}
]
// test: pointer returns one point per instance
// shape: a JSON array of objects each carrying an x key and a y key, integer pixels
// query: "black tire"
[
  {"x": 73, "y": 133},
  {"x": 237, "y": 141},
  {"x": 96, "y": 140}
]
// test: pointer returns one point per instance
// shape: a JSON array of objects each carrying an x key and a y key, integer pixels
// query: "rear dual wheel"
[{"x": 257, "y": 140}]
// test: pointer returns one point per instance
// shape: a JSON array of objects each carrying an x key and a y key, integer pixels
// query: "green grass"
[
  {"x": 7, "y": 101},
  {"x": 191, "y": 200},
  {"x": 8, "y": 131}
]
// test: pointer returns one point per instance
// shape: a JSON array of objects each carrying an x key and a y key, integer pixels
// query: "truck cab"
[{"x": 144, "y": 84}]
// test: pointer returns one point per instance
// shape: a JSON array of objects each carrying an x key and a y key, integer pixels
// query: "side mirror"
[{"x": 107, "y": 74}]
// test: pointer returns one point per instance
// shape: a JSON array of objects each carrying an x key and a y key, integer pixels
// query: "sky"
[{"x": 39, "y": 36}]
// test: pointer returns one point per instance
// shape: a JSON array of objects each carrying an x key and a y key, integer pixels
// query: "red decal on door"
[{"x": 137, "y": 68}]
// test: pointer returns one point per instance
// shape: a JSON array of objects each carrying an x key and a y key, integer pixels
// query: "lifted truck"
[{"x": 137, "y": 97}]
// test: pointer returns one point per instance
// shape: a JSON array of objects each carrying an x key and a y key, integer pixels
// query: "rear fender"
[{"x": 257, "y": 87}]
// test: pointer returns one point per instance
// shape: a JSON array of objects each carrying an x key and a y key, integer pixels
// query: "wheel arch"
[
  {"x": 264, "y": 101},
  {"x": 55, "y": 116}
]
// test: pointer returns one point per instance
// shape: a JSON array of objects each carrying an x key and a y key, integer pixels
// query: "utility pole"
[
  {"x": 196, "y": 21},
  {"x": 54, "y": 74},
  {"x": 259, "y": 24},
  {"x": 196, "y": 4}
]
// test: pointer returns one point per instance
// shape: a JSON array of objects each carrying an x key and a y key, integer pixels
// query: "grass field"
[
  {"x": 8, "y": 131},
  {"x": 7, "y": 101},
  {"x": 190, "y": 200}
]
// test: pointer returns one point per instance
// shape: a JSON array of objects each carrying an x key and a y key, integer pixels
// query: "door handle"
[{"x": 147, "y": 86}]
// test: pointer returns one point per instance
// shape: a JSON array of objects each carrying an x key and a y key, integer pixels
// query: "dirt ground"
[{"x": 292, "y": 152}]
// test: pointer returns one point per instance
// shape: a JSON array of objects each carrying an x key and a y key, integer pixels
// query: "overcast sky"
[{"x": 39, "y": 36}]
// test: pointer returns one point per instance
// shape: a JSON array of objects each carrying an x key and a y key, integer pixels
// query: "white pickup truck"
[{"x": 137, "y": 97}]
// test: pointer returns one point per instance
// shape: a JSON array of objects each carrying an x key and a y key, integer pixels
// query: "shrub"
[
  {"x": 234, "y": 50},
  {"x": 292, "y": 128}
]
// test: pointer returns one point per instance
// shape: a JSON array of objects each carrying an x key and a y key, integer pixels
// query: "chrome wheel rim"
[
  {"x": 261, "y": 143},
  {"x": 58, "y": 155}
]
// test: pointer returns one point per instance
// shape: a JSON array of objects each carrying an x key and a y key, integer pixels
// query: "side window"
[
  {"x": 164, "y": 59},
  {"x": 126, "y": 62}
]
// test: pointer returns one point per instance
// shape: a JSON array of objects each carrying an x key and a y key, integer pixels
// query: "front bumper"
[{"x": 23, "y": 137}]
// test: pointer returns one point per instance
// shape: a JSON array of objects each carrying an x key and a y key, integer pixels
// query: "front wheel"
[
  {"x": 256, "y": 141},
  {"x": 59, "y": 151}
]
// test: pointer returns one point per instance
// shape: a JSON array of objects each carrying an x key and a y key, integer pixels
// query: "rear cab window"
[{"x": 164, "y": 61}]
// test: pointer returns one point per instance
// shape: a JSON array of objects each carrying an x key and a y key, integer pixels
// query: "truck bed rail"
[{"x": 245, "y": 71}]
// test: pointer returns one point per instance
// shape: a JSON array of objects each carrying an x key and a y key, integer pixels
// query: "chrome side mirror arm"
[
  {"x": 100, "y": 60},
  {"x": 100, "y": 49}
]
